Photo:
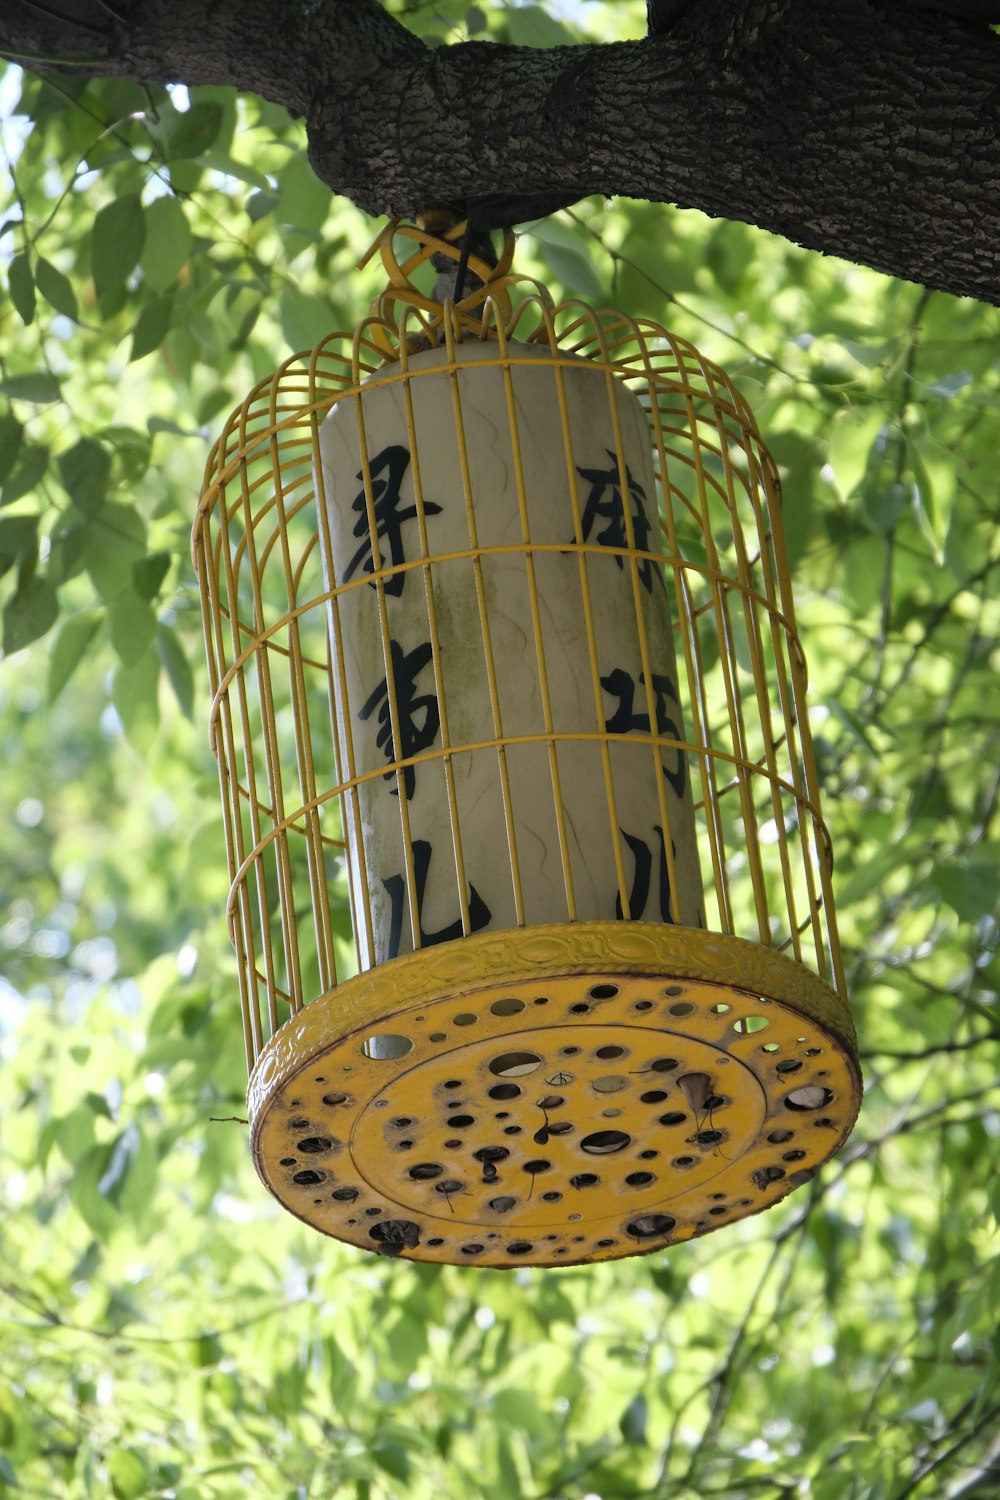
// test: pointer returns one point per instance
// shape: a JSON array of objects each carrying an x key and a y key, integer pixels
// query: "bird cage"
[{"x": 530, "y": 885}]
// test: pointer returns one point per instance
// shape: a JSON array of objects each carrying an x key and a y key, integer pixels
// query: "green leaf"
[
  {"x": 66, "y": 552},
  {"x": 632, "y": 1422},
  {"x": 971, "y": 885},
  {"x": 115, "y": 543},
  {"x": 135, "y": 696},
  {"x": 218, "y": 161},
  {"x": 149, "y": 572},
  {"x": 17, "y": 534},
  {"x": 56, "y": 288},
  {"x": 566, "y": 253},
  {"x": 531, "y": 26},
  {"x": 22, "y": 288},
  {"x": 31, "y": 612},
  {"x": 70, "y": 645},
  {"x": 116, "y": 242},
  {"x": 177, "y": 668},
  {"x": 303, "y": 201},
  {"x": 883, "y": 507},
  {"x": 167, "y": 243},
  {"x": 128, "y": 1473},
  {"x": 393, "y": 1459},
  {"x": 194, "y": 131},
  {"x": 851, "y": 440},
  {"x": 950, "y": 385},
  {"x": 152, "y": 327},
  {"x": 799, "y": 461},
  {"x": 84, "y": 470},
  {"x": 37, "y": 386},
  {"x": 164, "y": 424},
  {"x": 876, "y": 870},
  {"x": 33, "y": 463},
  {"x": 305, "y": 318},
  {"x": 122, "y": 1154},
  {"x": 131, "y": 625},
  {"x": 519, "y": 1408},
  {"x": 934, "y": 488},
  {"x": 259, "y": 205},
  {"x": 11, "y": 438},
  {"x": 132, "y": 452}
]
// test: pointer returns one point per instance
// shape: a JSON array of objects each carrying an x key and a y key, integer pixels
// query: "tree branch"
[{"x": 865, "y": 129}]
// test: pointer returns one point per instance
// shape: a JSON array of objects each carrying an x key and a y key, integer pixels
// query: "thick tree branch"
[{"x": 864, "y": 129}]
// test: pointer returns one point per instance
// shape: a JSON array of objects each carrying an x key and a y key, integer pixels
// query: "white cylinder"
[{"x": 478, "y": 644}]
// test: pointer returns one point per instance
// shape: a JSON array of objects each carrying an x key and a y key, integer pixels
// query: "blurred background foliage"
[{"x": 166, "y": 1330}]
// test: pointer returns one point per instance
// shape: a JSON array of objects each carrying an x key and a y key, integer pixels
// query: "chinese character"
[
  {"x": 479, "y": 912},
  {"x": 416, "y": 733},
  {"x": 625, "y": 719},
  {"x": 605, "y": 503},
  {"x": 386, "y": 470},
  {"x": 639, "y": 894}
]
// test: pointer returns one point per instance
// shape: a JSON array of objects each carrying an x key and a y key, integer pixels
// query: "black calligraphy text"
[
  {"x": 479, "y": 912},
  {"x": 626, "y": 719},
  {"x": 386, "y": 472},
  {"x": 417, "y": 714},
  {"x": 604, "y": 503},
  {"x": 643, "y": 875}
]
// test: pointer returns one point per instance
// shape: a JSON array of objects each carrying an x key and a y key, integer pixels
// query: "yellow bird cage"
[{"x": 530, "y": 884}]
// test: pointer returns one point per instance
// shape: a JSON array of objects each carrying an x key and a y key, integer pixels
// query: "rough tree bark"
[{"x": 863, "y": 128}]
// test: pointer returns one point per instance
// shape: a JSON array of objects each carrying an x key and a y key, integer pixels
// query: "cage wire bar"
[{"x": 759, "y": 932}]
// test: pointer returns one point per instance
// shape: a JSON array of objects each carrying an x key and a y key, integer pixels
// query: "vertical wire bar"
[
  {"x": 675, "y": 908},
  {"x": 348, "y": 793},
  {"x": 640, "y": 624},
  {"x": 272, "y": 767},
  {"x": 311, "y": 808},
  {"x": 211, "y": 618},
  {"x": 286, "y": 890},
  {"x": 710, "y": 791},
  {"x": 259, "y": 651},
  {"x": 802, "y": 761},
  {"x": 660, "y": 387},
  {"x": 484, "y": 625},
  {"x": 588, "y": 613},
  {"x": 729, "y": 665},
  {"x": 378, "y": 581},
  {"x": 758, "y": 672},
  {"x": 240, "y": 920},
  {"x": 222, "y": 736},
  {"x": 432, "y": 624},
  {"x": 303, "y": 743},
  {"x": 775, "y": 634},
  {"x": 321, "y": 888},
  {"x": 232, "y": 583},
  {"x": 536, "y": 625},
  {"x": 797, "y": 717},
  {"x": 784, "y": 641},
  {"x": 712, "y": 575},
  {"x": 700, "y": 705}
]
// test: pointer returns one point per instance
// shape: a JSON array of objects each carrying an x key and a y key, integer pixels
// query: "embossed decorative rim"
[
  {"x": 460, "y": 968},
  {"x": 473, "y": 971}
]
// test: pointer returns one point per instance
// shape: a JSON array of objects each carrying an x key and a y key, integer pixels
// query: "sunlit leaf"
[
  {"x": 56, "y": 288},
  {"x": 29, "y": 613},
  {"x": 22, "y": 288},
  {"x": 167, "y": 242},
  {"x": 116, "y": 243},
  {"x": 72, "y": 641}
]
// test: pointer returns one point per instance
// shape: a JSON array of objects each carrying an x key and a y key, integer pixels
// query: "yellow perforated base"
[{"x": 554, "y": 1095}]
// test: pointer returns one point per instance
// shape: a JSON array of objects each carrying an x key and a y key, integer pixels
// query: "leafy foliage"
[{"x": 167, "y": 1331}]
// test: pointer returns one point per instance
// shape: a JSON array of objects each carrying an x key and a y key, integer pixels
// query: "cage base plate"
[{"x": 618, "y": 1088}]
